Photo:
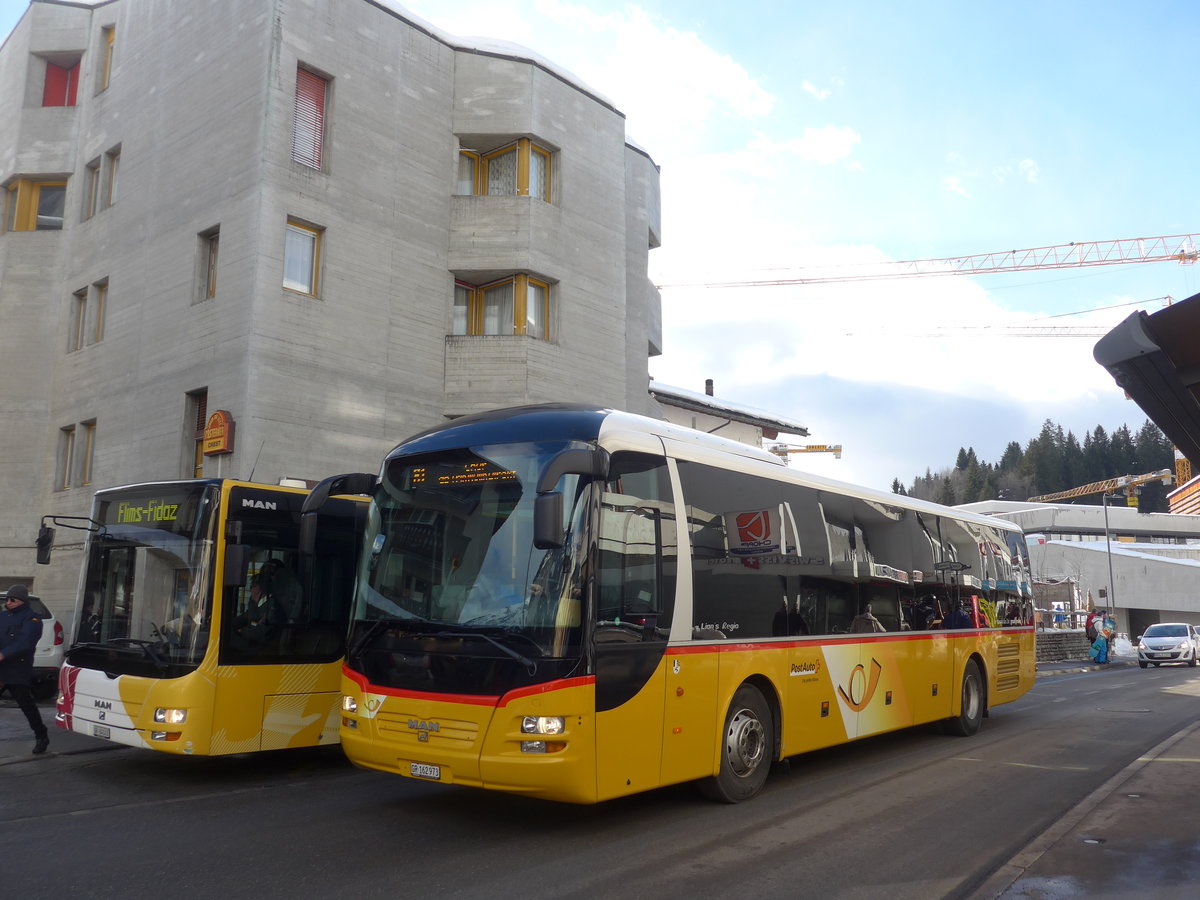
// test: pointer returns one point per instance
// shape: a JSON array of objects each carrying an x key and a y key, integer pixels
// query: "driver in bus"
[{"x": 284, "y": 588}]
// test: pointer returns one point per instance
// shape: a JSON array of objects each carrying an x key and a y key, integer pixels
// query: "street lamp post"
[{"x": 1108, "y": 549}]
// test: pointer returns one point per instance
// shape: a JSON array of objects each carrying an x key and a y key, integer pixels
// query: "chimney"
[{"x": 708, "y": 386}]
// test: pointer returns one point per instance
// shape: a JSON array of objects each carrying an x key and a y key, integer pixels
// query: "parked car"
[
  {"x": 1168, "y": 642},
  {"x": 49, "y": 653}
]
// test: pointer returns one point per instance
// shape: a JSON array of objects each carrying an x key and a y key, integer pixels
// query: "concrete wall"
[{"x": 199, "y": 107}]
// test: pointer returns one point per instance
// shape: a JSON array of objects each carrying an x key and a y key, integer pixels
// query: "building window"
[
  {"x": 108, "y": 39},
  {"x": 62, "y": 83},
  {"x": 35, "y": 205},
  {"x": 197, "y": 418},
  {"x": 308, "y": 123},
  {"x": 522, "y": 168},
  {"x": 91, "y": 188},
  {"x": 210, "y": 242},
  {"x": 112, "y": 161},
  {"x": 86, "y": 452},
  {"x": 88, "y": 308},
  {"x": 301, "y": 257},
  {"x": 516, "y": 305},
  {"x": 79, "y": 304},
  {"x": 100, "y": 304},
  {"x": 66, "y": 456}
]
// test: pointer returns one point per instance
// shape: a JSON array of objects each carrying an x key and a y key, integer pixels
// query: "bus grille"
[
  {"x": 446, "y": 732},
  {"x": 1008, "y": 666}
]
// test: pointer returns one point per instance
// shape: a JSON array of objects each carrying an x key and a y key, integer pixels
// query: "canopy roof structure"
[{"x": 1155, "y": 358}]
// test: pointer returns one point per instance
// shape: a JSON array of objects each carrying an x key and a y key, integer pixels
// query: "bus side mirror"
[
  {"x": 45, "y": 543},
  {"x": 354, "y": 484},
  {"x": 235, "y": 565},
  {"x": 547, "y": 521}
]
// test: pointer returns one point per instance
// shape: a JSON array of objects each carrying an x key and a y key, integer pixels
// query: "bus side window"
[
  {"x": 739, "y": 571},
  {"x": 637, "y": 550}
]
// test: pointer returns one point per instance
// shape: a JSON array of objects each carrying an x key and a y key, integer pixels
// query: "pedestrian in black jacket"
[{"x": 20, "y": 631}]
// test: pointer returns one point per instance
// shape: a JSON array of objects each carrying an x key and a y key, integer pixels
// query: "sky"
[{"x": 794, "y": 136}]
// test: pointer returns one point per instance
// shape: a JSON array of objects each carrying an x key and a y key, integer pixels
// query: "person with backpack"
[{"x": 20, "y": 631}]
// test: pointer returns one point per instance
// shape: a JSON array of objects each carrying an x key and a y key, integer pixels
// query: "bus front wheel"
[
  {"x": 967, "y": 722},
  {"x": 747, "y": 747}
]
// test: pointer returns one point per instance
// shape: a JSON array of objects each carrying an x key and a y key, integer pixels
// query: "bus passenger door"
[{"x": 634, "y": 598}]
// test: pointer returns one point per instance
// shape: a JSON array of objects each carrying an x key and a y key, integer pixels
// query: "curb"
[{"x": 998, "y": 884}]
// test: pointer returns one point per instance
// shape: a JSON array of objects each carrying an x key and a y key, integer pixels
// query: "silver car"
[{"x": 1168, "y": 642}]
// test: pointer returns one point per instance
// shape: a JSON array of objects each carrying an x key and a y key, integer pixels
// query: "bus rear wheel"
[
  {"x": 969, "y": 718},
  {"x": 747, "y": 748}
]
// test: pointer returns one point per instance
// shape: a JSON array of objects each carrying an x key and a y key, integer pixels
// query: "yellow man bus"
[
  {"x": 577, "y": 604},
  {"x": 200, "y": 629}
]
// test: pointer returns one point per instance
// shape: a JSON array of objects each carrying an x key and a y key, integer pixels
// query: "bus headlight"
[
  {"x": 542, "y": 725},
  {"x": 169, "y": 716},
  {"x": 349, "y": 704}
]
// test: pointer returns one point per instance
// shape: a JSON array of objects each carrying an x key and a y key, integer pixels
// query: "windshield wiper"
[
  {"x": 147, "y": 647},
  {"x": 529, "y": 664},
  {"x": 366, "y": 637}
]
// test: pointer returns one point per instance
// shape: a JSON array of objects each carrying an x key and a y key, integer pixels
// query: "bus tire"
[
  {"x": 967, "y": 722},
  {"x": 747, "y": 748}
]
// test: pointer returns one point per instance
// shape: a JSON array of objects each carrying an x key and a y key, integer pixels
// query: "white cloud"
[
  {"x": 1029, "y": 169},
  {"x": 823, "y": 146},
  {"x": 819, "y": 93},
  {"x": 953, "y": 183}
]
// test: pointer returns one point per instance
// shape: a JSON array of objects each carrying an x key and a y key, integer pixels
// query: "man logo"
[
  {"x": 753, "y": 526},
  {"x": 247, "y": 503}
]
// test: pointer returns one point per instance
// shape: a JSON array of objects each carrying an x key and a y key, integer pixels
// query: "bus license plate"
[
  {"x": 100, "y": 731},
  {"x": 423, "y": 770}
]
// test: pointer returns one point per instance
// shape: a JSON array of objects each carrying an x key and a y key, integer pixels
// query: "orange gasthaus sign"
[{"x": 218, "y": 433}]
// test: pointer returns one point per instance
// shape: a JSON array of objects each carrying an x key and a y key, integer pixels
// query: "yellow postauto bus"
[
  {"x": 200, "y": 629},
  {"x": 577, "y": 604}
]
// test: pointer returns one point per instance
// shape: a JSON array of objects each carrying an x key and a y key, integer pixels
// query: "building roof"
[
  {"x": 1080, "y": 518},
  {"x": 1155, "y": 358},
  {"x": 706, "y": 403}
]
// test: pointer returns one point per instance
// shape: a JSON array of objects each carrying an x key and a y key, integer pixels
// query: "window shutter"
[
  {"x": 308, "y": 126},
  {"x": 61, "y": 85}
]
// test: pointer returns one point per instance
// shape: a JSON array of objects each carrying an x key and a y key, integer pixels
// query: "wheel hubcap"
[
  {"x": 971, "y": 698},
  {"x": 745, "y": 743}
]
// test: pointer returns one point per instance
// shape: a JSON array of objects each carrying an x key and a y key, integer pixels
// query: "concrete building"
[
  {"x": 708, "y": 413},
  {"x": 1154, "y": 557},
  {"x": 325, "y": 218}
]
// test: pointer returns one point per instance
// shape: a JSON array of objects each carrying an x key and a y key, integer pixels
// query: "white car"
[
  {"x": 49, "y": 653},
  {"x": 1168, "y": 642}
]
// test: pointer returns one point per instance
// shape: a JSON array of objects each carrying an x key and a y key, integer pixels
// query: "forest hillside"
[{"x": 1053, "y": 461}]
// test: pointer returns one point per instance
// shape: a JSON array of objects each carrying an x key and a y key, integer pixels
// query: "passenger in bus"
[
  {"x": 283, "y": 587},
  {"x": 921, "y": 613},
  {"x": 865, "y": 622},
  {"x": 959, "y": 617},
  {"x": 789, "y": 622}
]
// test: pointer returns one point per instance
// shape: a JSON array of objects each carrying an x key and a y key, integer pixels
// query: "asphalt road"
[{"x": 912, "y": 815}]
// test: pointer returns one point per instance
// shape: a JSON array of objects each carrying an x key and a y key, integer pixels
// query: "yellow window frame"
[
  {"x": 520, "y": 283},
  {"x": 109, "y": 36},
  {"x": 525, "y": 150},
  {"x": 24, "y": 197}
]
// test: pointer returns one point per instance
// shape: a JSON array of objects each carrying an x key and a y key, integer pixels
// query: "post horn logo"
[{"x": 862, "y": 687}]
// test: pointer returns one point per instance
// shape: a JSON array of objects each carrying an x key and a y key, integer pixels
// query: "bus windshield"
[
  {"x": 449, "y": 561},
  {"x": 148, "y": 583}
]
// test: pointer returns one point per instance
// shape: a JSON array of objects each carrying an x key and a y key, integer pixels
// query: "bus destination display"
[{"x": 446, "y": 475}]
